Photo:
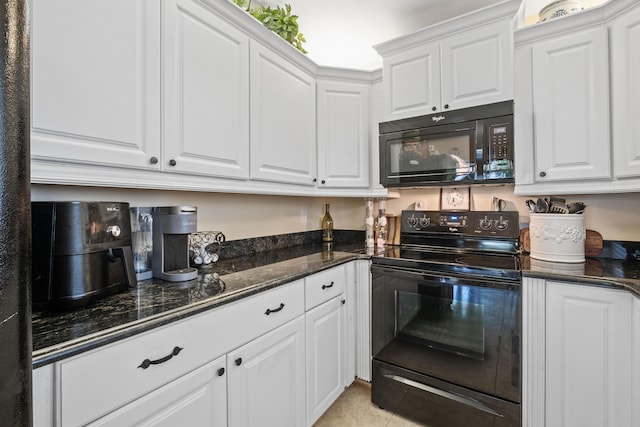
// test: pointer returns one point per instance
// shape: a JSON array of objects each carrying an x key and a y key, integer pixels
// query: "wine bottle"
[{"x": 327, "y": 225}]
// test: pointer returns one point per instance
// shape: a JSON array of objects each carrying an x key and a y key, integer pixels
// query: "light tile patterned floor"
[{"x": 354, "y": 409}]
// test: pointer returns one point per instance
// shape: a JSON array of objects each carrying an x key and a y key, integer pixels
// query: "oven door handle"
[
  {"x": 496, "y": 282},
  {"x": 465, "y": 400}
]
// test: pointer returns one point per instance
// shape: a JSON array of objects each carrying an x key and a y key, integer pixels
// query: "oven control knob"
[
  {"x": 413, "y": 221},
  {"x": 486, "y": 223},
  {"x": 502, "y": 224},
  {"x": 424, "y": 221}
]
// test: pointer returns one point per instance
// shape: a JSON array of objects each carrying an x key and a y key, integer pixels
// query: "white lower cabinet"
[
  {"x": 579, "y": 360},
  {"x": 330, "y": 359},
  {"x": 198, "y": 399},
  {"x": 266, "y": 379},
  {"x": 588, "y": 356},
  {"x": 42, "y": 386},
  {"x": 277, "y": 358},
  {"x": 325, "y": 356}
]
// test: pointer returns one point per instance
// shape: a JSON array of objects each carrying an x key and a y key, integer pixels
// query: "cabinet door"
[
  {"x": 266, "y": 383},
  {"x": 325, "y": 356},
  {"x": 625, "y": 86},
  {"x": 571, "y": 106},
  {"x": 477, "y": 66},
  {"x": 206, "y": 92},
  {"x": 198, "y": 399},
  {"x": 411, "y": 80},
  {"x": 95, "y": 82},
  {"x": 42, "y": 385},
  {"x": 635, "y": 373},
  {"x": 343, "y": 135},
  {"x": 283, "y": 119},
  {"x": 588, "y": 381}
]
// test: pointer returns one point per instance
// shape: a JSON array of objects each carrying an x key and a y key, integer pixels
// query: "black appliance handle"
[
  {"x": 438, "y": 277},
  {"x": 473, "y": 168},
  {"x": 126, "y": 256},
  {"x": 460, "y": 398}
]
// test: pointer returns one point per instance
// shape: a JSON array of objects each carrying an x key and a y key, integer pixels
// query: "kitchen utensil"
[
  {"x": 531, "y": 205},
  {"x": 559, "y": 208},
  {"x": 576, "y": 207},
  {"x": 542, "y": 205}
]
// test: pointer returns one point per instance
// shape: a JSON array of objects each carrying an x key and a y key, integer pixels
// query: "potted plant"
[{"x": 279, "y": 20}]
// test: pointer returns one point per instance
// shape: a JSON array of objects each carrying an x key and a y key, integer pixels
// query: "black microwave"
[{"x": 467, "y": 146}]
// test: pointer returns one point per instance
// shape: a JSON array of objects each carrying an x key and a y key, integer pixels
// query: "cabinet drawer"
[
  {"x": 325, "y": 285},
  {"x": 95, "y": 383}
]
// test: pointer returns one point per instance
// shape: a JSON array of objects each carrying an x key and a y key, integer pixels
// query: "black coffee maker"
[
  {"x": 81, "y": 251},
  {"x": 172, "y": 226}
]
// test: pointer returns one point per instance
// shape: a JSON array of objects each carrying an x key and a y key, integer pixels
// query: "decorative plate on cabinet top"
[{"x": 559, "y": 8}]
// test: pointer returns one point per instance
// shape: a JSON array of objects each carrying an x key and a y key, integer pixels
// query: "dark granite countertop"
[
  {"x": 606, "y": 272},
  {"x": 57, "y": 335},
  {"x": 618, "y": 266},
  {"x": 153, "y": 303}
]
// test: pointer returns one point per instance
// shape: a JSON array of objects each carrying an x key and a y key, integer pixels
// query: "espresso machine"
[
  {"x": 172, "y": 226},
  {"x": 81, "y": 251}
]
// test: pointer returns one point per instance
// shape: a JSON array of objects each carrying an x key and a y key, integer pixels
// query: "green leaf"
[{"x": 279, "y": 20}]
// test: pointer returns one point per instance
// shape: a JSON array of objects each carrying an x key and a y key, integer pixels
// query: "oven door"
[
  {"x": 464, "y": 332},
  {"x": 438, "y": 154}
]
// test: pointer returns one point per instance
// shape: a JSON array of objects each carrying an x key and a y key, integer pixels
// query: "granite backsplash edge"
[{"x": 254, "y": 245}]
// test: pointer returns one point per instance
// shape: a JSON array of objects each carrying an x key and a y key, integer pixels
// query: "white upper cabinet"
[
  {"x": 283, "y": 119},
  {"x": 576, "y": 104},
  {"x": 343, "y": 134},
  {"x": 460, "y": 63},
  {"x": 206, "y": 92},
  {"x": 571, "y": 104},
  {"x": 190, "y": 95},
  {"x": 95, "y": 78},
  {"x": 477, "y": 66},
  {"x": 412, "y": 82},
  {"x": 625, "y": 87}
]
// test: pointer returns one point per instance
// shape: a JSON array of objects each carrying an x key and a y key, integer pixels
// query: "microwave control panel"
[{"x": 500, "y": 142}]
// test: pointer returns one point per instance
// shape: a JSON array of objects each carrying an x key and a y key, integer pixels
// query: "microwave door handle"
[
  {"x": 417, "y": 175},
  {"x": 465, "y": 400}
]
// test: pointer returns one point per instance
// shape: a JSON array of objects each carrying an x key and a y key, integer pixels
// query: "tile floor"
[{"x": 354, "y": 409}]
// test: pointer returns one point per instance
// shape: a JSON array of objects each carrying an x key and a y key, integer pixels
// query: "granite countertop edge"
[
  {"x": 625, "y": 284},
  {"x": 69, "y": 348},
  {"x": 245, "y": 279}
]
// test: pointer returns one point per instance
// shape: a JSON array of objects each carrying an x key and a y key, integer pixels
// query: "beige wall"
[
  {"x": 239, "y": 216},
  {"x": 615, "y": 216}
]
